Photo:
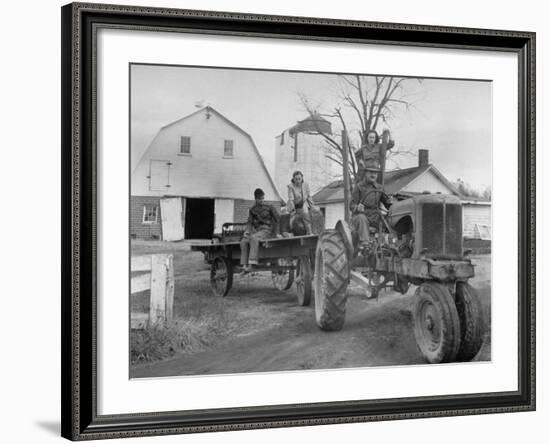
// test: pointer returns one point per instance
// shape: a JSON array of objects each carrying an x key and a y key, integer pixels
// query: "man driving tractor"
[{"x": 365, "y": 204}]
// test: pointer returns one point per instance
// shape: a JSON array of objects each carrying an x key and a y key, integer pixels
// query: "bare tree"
[
  {"x": 364, "y": 103},
  {"x": 469, "y": 191}
]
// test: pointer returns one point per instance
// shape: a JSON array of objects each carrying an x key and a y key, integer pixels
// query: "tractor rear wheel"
[
  {"x": 471, "y": 321},
  {"x": 331, "y": 281},
  {"x": 436, "y": 323}
]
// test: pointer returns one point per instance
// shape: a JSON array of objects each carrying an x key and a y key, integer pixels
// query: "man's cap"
[
  {"x": 372, "y": 165},
  {"x": 258, "y": 192}
]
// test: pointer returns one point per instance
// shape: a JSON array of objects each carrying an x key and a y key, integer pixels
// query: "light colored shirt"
[{"x": 299, "y": 194}]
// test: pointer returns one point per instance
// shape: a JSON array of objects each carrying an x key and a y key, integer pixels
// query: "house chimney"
[{"x": 423, "y": 158}]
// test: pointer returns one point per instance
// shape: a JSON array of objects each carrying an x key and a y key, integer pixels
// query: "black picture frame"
[{"x": 79, "y": 208}]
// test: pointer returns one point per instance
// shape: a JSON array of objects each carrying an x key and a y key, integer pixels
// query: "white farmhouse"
[
  {"x": 198, "y": 173},
  {"x": 476, "y": 213}
]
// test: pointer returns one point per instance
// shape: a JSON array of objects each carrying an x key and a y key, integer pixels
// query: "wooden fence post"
[
  {"x": 160, "y": 282},
  {"x": 157, "y": 310},
  {"x": 169, "y": 298}
]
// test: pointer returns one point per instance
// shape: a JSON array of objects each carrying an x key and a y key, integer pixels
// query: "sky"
[{"x": 450, "y": 118}]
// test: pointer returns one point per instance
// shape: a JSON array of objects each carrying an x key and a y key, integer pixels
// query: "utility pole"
[
  {"x": 345, "y": 161},
  {"x": 383, "y": 148}
]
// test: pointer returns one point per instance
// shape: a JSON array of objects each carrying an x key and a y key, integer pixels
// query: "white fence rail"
[{"x": 160, "y": 280}]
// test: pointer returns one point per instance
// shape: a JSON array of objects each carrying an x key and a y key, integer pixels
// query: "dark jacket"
[
  {"x": 371, "y": 201},
  {"x": 262, "y": 217}
]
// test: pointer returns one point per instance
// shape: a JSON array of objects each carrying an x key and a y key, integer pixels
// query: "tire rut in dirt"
[{"x": 331, "y": 281}]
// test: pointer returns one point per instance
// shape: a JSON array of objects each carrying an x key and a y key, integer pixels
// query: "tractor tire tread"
[{"x": 330, "y": 303}]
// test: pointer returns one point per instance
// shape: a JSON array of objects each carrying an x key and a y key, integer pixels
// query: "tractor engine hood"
[
  {"x": 435, "y": 221},
  {"x": 409, "y": 206}
]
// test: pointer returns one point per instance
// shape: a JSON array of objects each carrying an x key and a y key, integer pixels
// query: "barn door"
[
  {"x": 159, "y": 175},
  {"x": 170, "y": 212},
  {"x": 223, "y": 212}
]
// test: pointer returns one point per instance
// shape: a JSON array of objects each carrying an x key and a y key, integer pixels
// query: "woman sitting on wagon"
[{"x": 300, "y": 203}]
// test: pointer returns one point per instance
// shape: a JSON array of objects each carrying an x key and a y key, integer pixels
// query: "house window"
[
  {"x": 185, "y": 145},
  {"x": 227, "y": 148},
  {"x": 150, "y": 214}
]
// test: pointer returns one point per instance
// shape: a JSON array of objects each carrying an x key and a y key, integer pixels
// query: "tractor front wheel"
[
  {"x": 331, "y": 281},
  {"x": 471, "y": 321},
  {"x": 436, "y": 323}
]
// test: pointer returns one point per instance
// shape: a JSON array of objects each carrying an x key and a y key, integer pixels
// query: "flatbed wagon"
[{"x": 289, "y": 259}]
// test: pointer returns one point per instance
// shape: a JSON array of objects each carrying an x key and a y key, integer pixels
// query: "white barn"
[
  {"x": 476, "y": 213},
  {"x": 198, "y": 172}
]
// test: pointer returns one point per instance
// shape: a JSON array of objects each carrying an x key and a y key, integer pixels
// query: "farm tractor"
[{"x": 418, "y": 241}]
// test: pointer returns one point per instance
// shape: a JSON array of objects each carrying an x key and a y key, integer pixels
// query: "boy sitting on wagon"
[{"x": 263, "y": 220}]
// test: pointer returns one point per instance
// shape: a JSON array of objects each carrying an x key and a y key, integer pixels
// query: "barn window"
[
  {"x": 185, "y": 145},
  {"x": 150, "y": 214},
  {"x": 227, "y": 148}
]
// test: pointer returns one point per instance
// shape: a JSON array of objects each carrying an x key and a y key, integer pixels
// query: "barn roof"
[
  {"x": 238, "y": 128},
  {"x": 394, "y": 182}
]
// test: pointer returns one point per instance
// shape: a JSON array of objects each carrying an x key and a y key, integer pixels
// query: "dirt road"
[{"x": 271, "y": 333}]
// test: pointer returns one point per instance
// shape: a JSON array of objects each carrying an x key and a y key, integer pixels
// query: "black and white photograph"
[
  {"x": 275, "y": 222},
  {"x": 298, "y": 221}
]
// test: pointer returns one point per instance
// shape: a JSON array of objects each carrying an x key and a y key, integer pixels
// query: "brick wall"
[
  {"x": 242, "y": 206},
  {"x": 138, "y": 229}
]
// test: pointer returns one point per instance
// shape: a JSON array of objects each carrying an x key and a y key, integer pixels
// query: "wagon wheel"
[
  {"x": 303, "y": 281},
  {"x": 436, "y": 323},
  {"x": 283, "y": 279},
  {"x": 221, "y": 276}
]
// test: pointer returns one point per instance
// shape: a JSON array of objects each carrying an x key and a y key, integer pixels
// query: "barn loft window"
[
  {"x": 150, "y": 213},
  {"x": 185, "y": 145},
  {"x": 227, "y": 148}
]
